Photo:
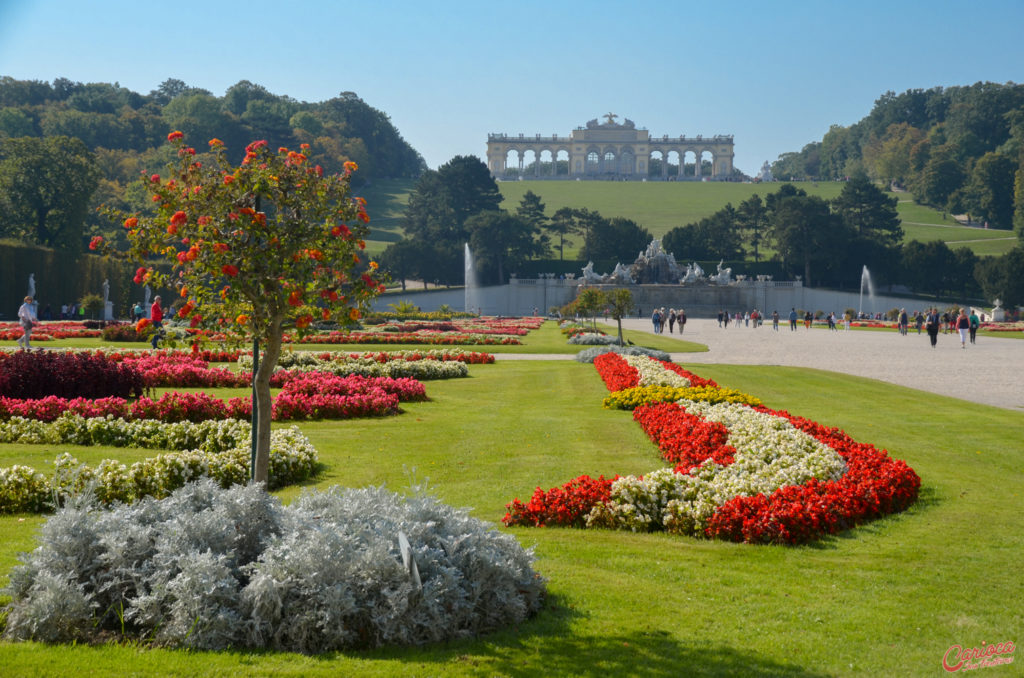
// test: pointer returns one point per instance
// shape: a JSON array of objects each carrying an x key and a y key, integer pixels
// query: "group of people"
[
  {"x": 742, "y": 319},
  {"x": 965, "y": 325},
  {"x": 28, "y": 319},
  {"x": 673, "y": 317}
]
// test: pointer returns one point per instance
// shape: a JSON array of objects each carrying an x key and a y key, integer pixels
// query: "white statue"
[
  {"x": 723, "y": 275},
  {"x": 32, "y": 285},
  {"x": 589, "y": 275},
  {"x": 106, "y": 291}
]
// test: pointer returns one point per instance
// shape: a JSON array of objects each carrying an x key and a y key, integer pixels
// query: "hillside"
[{"x": 661, "y": 206}]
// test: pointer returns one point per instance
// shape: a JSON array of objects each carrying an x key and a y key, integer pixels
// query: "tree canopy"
[
  {"x": 273, "y": 243},
  {"x": 45, "y": 189}
]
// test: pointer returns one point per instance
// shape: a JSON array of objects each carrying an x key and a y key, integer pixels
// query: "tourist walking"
[
  {"x": 904, "y": 322},
  {"x": 932, "y": 326},
  {"x": 792, "y": 320},
  {"x": 975, "y": 322},
  {"x": 681, "y": 319},
  {"x": 808, "y": 319},
  {"x": 720, "y": 313},
  {"x": 27, "y": 319},
  {"x": 918, "y": 320},
  {"x": 775, "y": 320},
  {"x": 963, "y": 324},
  {"x": 671, "y": 320},
  {"x": 156, "y": 317}
]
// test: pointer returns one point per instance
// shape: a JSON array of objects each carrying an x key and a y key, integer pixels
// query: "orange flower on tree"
[
  {"x": 354, "y": 314},
  {"x": 215, "y": 143},
  {"x": 96, "y": 241},
  {"x": 295, "y": 298},
  {"x": 303, "y": 321},
  {"x": 229, "y": 270},
  {"x": 142, "y": 324},
  {"x": 242, "y": 319},
  {"x": 179, "y": 218},
  {"x": 131, "y": 222}
]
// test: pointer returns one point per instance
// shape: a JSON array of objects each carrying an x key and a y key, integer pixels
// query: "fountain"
[
  {"x": 865, "y": 281},
  {"x": 471, "y": 302}
]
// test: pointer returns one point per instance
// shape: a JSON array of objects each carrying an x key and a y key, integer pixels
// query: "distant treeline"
[
  {"x": 959, "y": 149},
  {"x": 121, "y": 135}
]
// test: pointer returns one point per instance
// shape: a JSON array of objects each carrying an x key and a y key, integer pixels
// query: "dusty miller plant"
[{"x": 214, "y": 568}]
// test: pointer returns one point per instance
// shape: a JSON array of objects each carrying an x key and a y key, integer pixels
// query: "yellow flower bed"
[{"x": 631, "y": 398}]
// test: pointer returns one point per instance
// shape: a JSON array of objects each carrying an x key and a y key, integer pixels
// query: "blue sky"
[{"x": 775, "y": 75}]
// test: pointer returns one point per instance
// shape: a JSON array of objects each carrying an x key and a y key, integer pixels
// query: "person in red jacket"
[{"x": 156, "y": 316}]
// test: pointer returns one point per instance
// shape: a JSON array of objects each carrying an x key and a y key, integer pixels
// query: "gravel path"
[{"x": 990, "y": 372}]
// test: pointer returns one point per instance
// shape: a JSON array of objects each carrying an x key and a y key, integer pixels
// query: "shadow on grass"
[{"x": 548, "y": 645}]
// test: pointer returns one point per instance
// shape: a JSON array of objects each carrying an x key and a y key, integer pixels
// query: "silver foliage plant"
[
  {"x": 587, "y": 355},
  {"x": 213, "y": 568}
]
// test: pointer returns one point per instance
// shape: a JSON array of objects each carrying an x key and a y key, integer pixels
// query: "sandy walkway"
[{"x": 990, "y": 372}]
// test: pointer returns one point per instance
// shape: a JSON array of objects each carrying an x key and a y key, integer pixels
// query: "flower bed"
[
  {"x": 742, "y": 472},
  {"x": 394, "y": 338},
  {"x": 337, "y": 398},
  {"x": 48, "y": 331},
  {"x": 222, "y": 456}
]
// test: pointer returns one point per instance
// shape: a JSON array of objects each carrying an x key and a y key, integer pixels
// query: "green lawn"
[{"x": 887, "y": 598}]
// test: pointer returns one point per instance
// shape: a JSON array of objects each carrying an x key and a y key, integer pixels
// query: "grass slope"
[
  {"x": 889, "y": 597},
  {"x": 660, "y": 206}
]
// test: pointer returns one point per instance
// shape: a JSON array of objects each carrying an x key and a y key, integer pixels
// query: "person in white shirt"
[{"x": 27, "y": 318}]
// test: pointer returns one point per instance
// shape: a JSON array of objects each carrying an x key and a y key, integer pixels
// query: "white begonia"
[{"x": 653, "y": 373}]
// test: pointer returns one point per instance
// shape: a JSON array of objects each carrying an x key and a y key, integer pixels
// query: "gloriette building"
[{"x": 609, "y": 150}]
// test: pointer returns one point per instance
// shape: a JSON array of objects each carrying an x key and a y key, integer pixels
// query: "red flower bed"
[
  {"x": 309, "y": 395},
  {"x": 874, "y": 485},
  {"x": 406, "y": 338},
  {"x": 565, "y": 506},
  {"x": 684, "y": 439},
  {"x": 616, "y": 372}
]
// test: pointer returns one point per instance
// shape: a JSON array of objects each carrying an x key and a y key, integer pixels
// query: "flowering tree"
[{"x": 268, "y": 245}]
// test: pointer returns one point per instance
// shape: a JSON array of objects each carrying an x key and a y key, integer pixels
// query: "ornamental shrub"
[
  {"x": 121, "y": 332},
  {"x": 209, "y": 568},
  {"x": 587, "y": 355},
  {"x": 38, "y": 374}
]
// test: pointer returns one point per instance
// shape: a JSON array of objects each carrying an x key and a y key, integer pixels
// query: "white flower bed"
[
  {"x": 222, "y": 454},
  {"x": 423, "y": 370},
  {"x": 653, "y": 373},
  {"x": 770, "y": 453}
]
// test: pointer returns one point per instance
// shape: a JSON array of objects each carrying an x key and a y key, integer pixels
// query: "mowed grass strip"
[{"x": 892, "y": 595}]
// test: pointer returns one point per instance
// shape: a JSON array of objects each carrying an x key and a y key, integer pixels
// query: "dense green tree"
[
  {"x": 45, "y": 187},
  {"x": 531, "y": 210},
  {"x": 1002, "y": 278},
  {"x": 988, "y": 195},
  {"x": 933, "y": 268},
  {"x": 714, "y": 237},
  {"x": 804, "y": 230},
  {"x": 752, "y": 222},
  {"x": 615, "y": 238},
  {"x": 941, "y": 177},
  {"x": 403, "y": 260},
  {"x": 561, "y": 224},
  {"x": 500, "y": 242},
  {"x": 868, "y": 211},
  {"x": 15, "y": 122},
  {"x": 1018, "y": 201}
]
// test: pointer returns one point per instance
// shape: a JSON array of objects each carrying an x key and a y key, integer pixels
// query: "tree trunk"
[{"x": 261, "y": 383}]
